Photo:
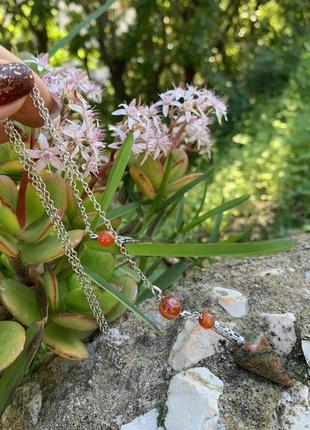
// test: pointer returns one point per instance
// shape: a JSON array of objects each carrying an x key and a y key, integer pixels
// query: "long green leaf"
[
  {"x": 102, "y": 283},
  {"x": 176, "y": 196},
  {"x": 115, "y": 176},
  {"x": 76, "y": 30},
  {"x": 215, "y": 211},
  {"x": 165, "y": 280},
  {"x": 13, "y": 375},
  {"x": 223, "y": 249}
]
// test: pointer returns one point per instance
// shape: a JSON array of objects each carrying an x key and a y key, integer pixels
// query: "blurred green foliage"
[{"x": 255, "y": 53}]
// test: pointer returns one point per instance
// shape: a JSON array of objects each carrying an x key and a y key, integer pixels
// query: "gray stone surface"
[{"x": 91, "y": 395}]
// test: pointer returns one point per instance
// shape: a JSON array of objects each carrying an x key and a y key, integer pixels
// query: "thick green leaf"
[
  {"x": 8, "y": 191},
  {"x": 64, "y": 342},
  {"x": 50, "y": 284},
  {"x": 211, "y": 249},
  {"x": 37, "y": 231},
  {"x": 219, "y": 209},
  {"x": 12, "y": 168},
  {"x": 8, "y": 245},
  {"x": 165, "y": 280},
  {"x": 12, "y": 341},
  {"x": 48, "y": 249},
  {"x": 13, "y": 375},
  {"x": 8, "y": 218},
  {"x": 100, "y": 262},
  {"x": 58, "y": 189},
  {"x": 102, "y": 283},
  {"x": 20, "y": 301},
  {"x": 76, "y": 301},
  {"x": 80, "y": 26},
  {"x": 115, "y": 175},
  {"x": 130, "y": 290},
  {"x": 75, "y": 321}
]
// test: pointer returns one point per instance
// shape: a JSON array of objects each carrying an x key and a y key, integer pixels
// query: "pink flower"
[
  {"x": 130, "y": 111},
  {"x": 46, "y": 155},
  {"x": 167, "y": 100}
]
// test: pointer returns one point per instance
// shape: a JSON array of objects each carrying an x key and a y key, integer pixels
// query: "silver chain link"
[
  {"x": 75, "y": 175},
  {"x": 56, "y": 220}
]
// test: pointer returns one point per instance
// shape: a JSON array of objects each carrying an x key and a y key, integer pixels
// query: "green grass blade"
[
  {"x": 76, "y": 30},
  {"x": 115, "y": 176},
  {"x": 215, "y": 211},
  {"x": 102, "y": 283},
  {"x": 223, "y": 249},
  {"x": 13, "y": 375}
]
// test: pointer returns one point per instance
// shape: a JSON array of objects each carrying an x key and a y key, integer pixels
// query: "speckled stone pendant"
[
  {"x": 16, "y": 81},
  {"x": 258, "y": 357}
]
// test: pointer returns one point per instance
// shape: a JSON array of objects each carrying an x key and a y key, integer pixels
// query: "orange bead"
[
  {"x": 206, "y": 320},
  {"x": 105, "y": 238},
  {"x": 170, "y": 308}
]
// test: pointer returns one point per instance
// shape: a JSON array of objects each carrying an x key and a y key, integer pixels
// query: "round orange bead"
[
  {"x": 170, "y": 308},
  {"x": 105, "y": 238},
  {"x": 206, "y": 320}
]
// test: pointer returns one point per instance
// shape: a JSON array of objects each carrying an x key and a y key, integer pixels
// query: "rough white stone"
[
  {"x": 193, "y": 400},
  {"x": 234, "y": 302},
  {"x": 192, "y": 345},
  {"x": 281, "y": 331},
  {"x": 275, "y": 271},
  {"x": 147, "y": 421},
  {"x": 295, "y": 410},
  {"x": 305, "y": 344}
]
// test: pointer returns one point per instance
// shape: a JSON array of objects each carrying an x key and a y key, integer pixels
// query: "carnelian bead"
[
  {"x": 105, "y": 238},
  {"x": 206, "y": 320},
  {"x": 170, "y": 308}
]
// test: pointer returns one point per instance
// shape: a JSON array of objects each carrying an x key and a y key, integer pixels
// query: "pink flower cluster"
[
  {"x": 75, "y": 121},
  {"x": 181, "y": 117}
]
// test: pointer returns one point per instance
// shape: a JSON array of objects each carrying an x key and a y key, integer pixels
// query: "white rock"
[
  {"x": 234, "y": 302},
  {"x": 294, "y": 408},
  {"x": 144, "y": 422},
  {"x": 192, "y": 345},
  {"x": 276, "y": 271},
  {"x": 305, "y": 344},
  {"x": 281, "y": 331},
  {"x": 193, "y": 400}
]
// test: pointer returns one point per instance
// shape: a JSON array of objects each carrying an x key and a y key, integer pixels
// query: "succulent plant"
[{"x": 32, "y": 266}]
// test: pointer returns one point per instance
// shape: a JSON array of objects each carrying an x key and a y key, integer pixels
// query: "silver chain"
[
  {"x": 56, "y": 220},
  {"x": 75, "y": 175}
]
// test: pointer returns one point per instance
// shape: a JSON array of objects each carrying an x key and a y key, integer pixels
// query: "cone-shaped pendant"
[{"x": 258, "y": 357}]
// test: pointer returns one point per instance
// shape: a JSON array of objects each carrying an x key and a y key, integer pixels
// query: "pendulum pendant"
[
  {"x": 16, "y": 81},
  {"x": 255, "y": 355}
]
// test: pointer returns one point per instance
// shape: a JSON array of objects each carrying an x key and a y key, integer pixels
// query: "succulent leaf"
[
  {"x": 176, "y": 185},
  {"x": 8, "y": 245},
  {"x": 153, "y": 169},
  {"x": 38, "y": 230},
  {"x": 100, "y": 262},
  {"x": 76, "y": 301},
  {"x": 143, "y": 182},
  {"x": 180, "y": 164},
  {"x": 11, "y": 168},
  {"x": 12, "y": 341},
  {"x": 50, "y": 284},
  {"x": 75, "y": 321},
  {"x": 64, "y": 342},
  {"x": 8, "y": 218},
  {"x": 58, "y": 190},
  {"x": 48, "y": 249},
  {"x": 129, "y": 288},
  {"x": 20, "y": 301},
  {"x": 8, "y": 191}
]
